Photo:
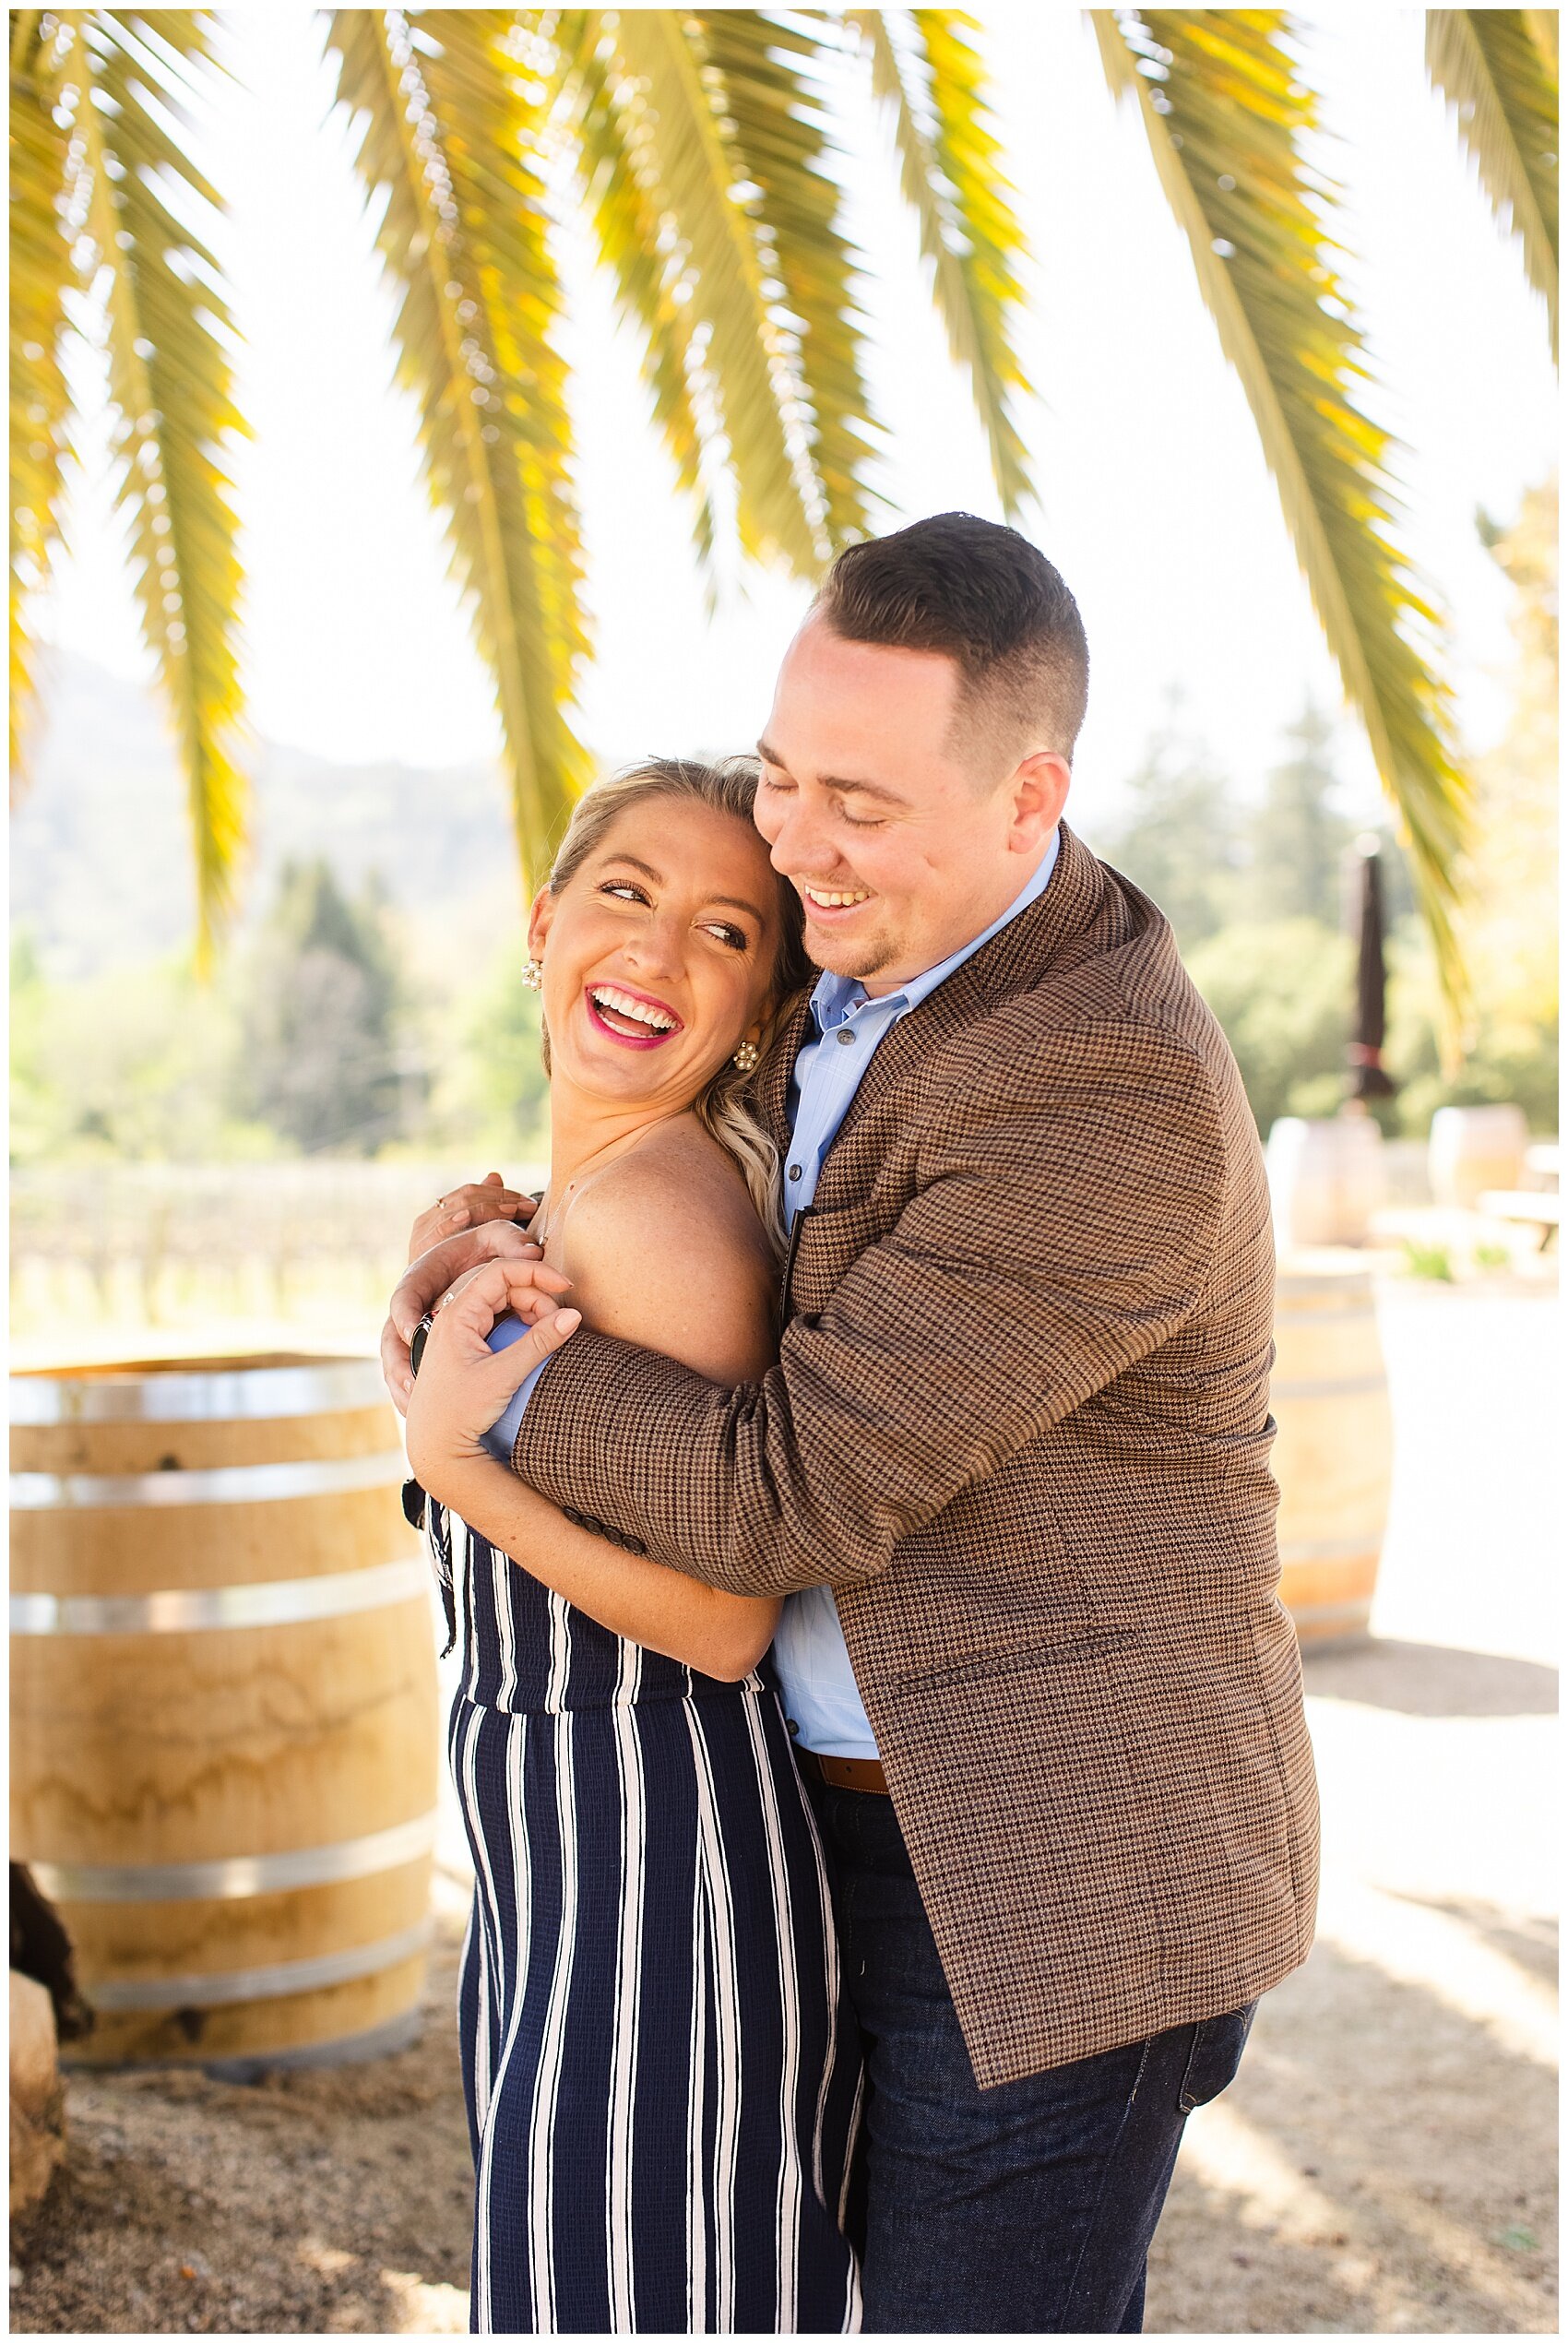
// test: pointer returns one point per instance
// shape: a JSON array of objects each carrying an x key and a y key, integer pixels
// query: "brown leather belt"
[{"x": 845, "y": 1773}]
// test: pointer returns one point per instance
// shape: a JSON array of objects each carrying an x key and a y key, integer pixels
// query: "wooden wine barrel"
[
  {"x": 1472, "y": 1148},
  {"x": 223, "y": 1704},
  {"x": 1325, "y": 1178},
  {"x": 1334, "y": 1453}
]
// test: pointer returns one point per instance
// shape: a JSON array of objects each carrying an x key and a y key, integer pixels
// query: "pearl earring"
[
  {"x": 746, "y": 1056},
  {"x": 533, "y": 975}
]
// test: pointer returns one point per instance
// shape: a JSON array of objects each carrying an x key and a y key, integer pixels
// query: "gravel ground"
[
  {"x": 1385, "y": 2163},
  {"x": 331, "y": 2202}
]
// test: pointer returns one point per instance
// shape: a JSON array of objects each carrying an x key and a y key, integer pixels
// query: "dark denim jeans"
[{"x": 1027, "y": 2209}]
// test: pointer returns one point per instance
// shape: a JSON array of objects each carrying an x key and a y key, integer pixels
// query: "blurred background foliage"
[{"x": 346, "y": 1023}]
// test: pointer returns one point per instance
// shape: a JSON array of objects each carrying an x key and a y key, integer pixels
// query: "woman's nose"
[{"x": 655, "y": 945}]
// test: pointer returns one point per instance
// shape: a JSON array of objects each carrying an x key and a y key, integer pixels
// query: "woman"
[{"x": 661, "y": 2074}]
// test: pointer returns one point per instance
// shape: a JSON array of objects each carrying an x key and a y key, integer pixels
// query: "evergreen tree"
[
  {"x": 1299, "y": 842},
  {"x": 1177, "y": 837},
  {"x": 319, "y": 1058}
]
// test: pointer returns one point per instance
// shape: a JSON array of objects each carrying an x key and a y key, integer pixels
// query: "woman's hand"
[
  {"x": 463, "y": 1385},
  {"x": 434, "y": 1273},
  {"x": 466, "y": 1207}
]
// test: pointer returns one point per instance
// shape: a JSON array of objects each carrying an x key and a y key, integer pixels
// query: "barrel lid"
[{"x": 194, "y": 1391}]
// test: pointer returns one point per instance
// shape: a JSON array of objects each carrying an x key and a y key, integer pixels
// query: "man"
[{"x": 1050, "y": 1711}]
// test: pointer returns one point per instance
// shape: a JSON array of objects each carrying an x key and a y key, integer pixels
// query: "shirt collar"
[{"x": 836, "y": 997}]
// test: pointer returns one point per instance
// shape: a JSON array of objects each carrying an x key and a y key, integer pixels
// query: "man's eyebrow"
[
  {"x": 731, "y": 902},
  {"x": 838, "y": 780}
]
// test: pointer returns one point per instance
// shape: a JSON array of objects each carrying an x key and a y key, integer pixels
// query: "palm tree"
[
  {"x": 99, "y": 188},
  {"x": 700, "y": 147}
]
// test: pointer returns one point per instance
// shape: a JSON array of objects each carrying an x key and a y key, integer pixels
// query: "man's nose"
[{"x": 798, "y": 842}]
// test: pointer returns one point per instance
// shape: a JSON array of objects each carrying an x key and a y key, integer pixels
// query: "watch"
[{"x": 421, "y": 1337}]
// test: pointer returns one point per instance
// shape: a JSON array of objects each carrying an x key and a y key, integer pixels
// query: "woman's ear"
[
  {"x": 764, "y": 1019},
  {"x": 539, "y": 918}
]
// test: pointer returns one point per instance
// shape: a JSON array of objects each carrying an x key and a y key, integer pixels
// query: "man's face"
[{"x": 901, "y": 840}]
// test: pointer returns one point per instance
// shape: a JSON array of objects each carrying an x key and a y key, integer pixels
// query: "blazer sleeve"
[{"x": 1064, "y": 1225}]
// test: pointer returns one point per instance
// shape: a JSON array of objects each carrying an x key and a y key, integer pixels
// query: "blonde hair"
[{"x": 723, "y": 1106}]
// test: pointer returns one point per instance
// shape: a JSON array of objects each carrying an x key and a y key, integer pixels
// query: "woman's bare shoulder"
[{"x": 665, "y": 1248}]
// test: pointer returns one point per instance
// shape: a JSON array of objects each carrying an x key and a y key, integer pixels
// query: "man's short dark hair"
[{"x": 991, "y": 601}]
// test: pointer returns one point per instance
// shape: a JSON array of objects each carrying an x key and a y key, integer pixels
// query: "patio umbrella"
[{"x": 1368, "y": 1079}]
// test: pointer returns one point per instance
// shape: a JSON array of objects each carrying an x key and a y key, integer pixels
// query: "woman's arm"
[
  {"x": 673, "y": 1262},
  {"x": 721, "y": 1635}
]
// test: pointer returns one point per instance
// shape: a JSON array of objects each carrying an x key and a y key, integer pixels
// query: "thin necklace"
[{"x": 606, "y": 1156}]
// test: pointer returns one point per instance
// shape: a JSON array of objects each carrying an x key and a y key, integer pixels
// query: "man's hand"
[
  {"x": 466, "y": 1207},
  {"x": 463, "y": 1385},
  {"x": 434, "y": 1273}
]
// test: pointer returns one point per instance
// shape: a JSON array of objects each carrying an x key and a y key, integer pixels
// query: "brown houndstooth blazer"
[{"x": 1020, "y": 1425}]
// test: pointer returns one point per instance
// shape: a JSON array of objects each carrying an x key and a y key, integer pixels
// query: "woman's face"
[{"x": 659, "y": 952}]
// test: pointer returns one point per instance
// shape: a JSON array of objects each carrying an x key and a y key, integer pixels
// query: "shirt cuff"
[{"x": 502, "y": 1432}]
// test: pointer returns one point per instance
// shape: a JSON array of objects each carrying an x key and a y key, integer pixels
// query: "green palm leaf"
[
  {"x": 699, "y": 139},
  {"x": 1542, "y": 26},
  {"x": 1498, "y": 69},
  {"x": 41, "y": 270},
  {"x": 128, "y": 79},
  {"x": 619, "y": 186},
  {"x": 1224, "y": 112},
  {"x": 771, "y": 70},
  {"x": 926, "y": 67},
  {"x": 453, "y": 121}
]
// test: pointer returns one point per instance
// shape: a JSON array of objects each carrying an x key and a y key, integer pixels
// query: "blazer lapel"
[
  {"x": 773, "y": 1081},
  {"x": 1013, "y": 961}
]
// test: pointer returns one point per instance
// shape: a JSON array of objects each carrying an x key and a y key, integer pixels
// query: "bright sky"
[{"x": 1155, "y": 500}]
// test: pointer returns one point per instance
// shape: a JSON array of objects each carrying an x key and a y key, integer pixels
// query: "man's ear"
[
  {"x": 539, "y": 917},
  {"x": 1039, "y": 788}
]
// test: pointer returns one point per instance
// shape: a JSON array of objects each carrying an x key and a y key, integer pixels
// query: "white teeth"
[
  {"x": 832, "y": 901},
  {"x": 608, "y": 996}
]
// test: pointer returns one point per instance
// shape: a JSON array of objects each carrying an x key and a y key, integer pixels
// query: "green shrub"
[{"x": 1282, "y": 991}]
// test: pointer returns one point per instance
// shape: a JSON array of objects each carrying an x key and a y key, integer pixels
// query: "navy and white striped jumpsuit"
[{"x": 660, "y": 2064}]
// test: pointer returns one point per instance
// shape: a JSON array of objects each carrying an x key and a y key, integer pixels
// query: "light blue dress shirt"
[{"x": 816, "y": 1680}]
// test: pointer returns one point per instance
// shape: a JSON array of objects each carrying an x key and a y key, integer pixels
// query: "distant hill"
[{"x": 101, "y": 860}]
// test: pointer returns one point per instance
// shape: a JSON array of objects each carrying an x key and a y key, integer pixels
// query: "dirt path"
[
  {"x": 332, "y": 2201},
  {"x": 1385, "y": 2163}
]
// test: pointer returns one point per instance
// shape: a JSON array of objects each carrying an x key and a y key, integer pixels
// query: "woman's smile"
[{"x": 636, "y": 1020}]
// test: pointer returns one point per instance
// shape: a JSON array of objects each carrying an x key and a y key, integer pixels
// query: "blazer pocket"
[{"x": 986, "y": 1665}]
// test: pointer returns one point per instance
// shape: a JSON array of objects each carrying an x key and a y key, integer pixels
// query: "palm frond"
[
  {"x": 131, "y": 79},
  {"x": 673, "y": 103},
  {"x": 1542, "y": 26},
  {"x": 771, "y": 70},
  {"x": 40, "y": 271},
  {"x": 621, "y": 193},
  {"x": 1497, "y": 67},
  {"x": 452, "y": 120},
  {"x": 926, "y": 69},
  {"x": 1224, "y": 112}
]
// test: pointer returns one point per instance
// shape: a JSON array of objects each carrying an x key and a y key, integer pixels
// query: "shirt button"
[
  {"x": 794, "y": 1171},
  {"x": 845, "y": 1035},
  {"x": 794, "y": 1729}
]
